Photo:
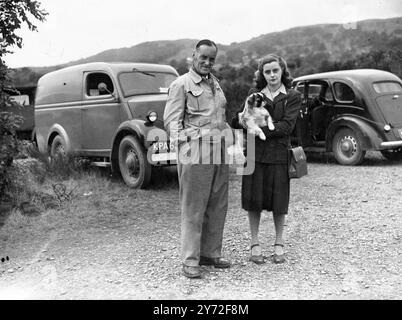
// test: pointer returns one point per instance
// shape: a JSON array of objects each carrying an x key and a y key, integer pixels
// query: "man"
[{"x": 194, "y": 118}]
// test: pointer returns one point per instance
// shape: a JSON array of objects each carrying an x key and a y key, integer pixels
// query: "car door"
[
  {"x": 320, "y": 109},
  {"x": 301, "y": 133},
  {"x": 100, "y": 112}
]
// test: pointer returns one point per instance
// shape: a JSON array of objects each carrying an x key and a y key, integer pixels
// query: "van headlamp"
[
  {"x": 387, "y": 128},
  {"x": 152, "y": 116}
]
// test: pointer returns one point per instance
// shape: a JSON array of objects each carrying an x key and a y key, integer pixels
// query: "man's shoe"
[
  {"x": 216, "y": 262},
  {"x": 191, "y": 272}
]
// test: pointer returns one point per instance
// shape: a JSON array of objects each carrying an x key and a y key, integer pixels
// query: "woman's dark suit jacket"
[{"x": 284, "y": 111}]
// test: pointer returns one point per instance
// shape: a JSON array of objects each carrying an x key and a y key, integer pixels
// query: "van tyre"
[
  {"x": 393, "y": 155},
  {"x": 133, "y": 163},
  {"x": 347, "y": 147},
  {"x": 58, "y": 147}
]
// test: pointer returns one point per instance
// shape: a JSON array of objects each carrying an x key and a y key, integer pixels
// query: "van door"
[{"x": 100, "y": 113}]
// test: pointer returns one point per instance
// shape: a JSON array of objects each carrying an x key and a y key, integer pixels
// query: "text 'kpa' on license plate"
[
  {"x": 163, "y": 151},
  {"x": 163, "y": 146}
]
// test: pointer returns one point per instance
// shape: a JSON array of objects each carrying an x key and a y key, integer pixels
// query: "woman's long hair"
[{"x": 286, "y": 79}]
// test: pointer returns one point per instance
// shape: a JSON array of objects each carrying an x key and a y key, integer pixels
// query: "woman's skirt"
[{"x": 267, "y": 188}]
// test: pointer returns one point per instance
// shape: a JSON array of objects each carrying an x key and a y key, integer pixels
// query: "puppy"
[{"x": 255, "y": 116}]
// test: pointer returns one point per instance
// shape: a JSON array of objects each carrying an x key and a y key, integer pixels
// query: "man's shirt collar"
[{"x": 197, "y": 78}]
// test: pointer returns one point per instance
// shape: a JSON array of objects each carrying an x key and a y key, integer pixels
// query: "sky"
[{"x": 78, "y": 29}]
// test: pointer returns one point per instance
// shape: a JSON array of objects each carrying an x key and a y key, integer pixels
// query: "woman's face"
[{"x": 273, "y": 74}]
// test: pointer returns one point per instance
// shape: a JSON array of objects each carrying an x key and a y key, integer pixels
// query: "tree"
[
  {"x": 234, "y": 55},
  {"x": 13, "y": 15}
]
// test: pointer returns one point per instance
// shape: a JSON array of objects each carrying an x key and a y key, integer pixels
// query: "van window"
[
  {"x": 134, "y": 83},
  {"x": 387, "y": 87},
  {"x": 92, "y": 82},
  {"x": 343, "y": 93}
]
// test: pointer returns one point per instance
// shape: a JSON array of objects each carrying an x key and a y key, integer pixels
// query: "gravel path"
[{"x": 343, "y": 241}]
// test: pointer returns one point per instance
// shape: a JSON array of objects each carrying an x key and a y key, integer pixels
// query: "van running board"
[
  {"x": 315, "y": 149},
  {"x": 100, "y": 164}
]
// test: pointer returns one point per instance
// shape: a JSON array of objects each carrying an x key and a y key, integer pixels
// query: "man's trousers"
[{"x": 204, "y": 204}]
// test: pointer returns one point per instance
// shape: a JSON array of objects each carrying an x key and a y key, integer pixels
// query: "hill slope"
[{"x": 304, "y": 47}]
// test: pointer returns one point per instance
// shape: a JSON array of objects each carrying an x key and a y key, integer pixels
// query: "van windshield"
[{"x": 137, "y": 82}]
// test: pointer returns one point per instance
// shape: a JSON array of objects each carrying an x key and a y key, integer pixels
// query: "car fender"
[
  {"x": 141, "y": 129},
  {"x": 57, "y": 129},
  {"x": 370, "y": 138}
]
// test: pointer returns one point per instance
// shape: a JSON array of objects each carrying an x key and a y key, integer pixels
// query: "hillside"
[{"x": 304, "y": 47}]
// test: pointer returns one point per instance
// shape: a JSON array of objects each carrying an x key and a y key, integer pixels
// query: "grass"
[{"x": 69, "y": 185}]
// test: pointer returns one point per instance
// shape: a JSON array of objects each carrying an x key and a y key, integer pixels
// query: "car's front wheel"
[
  {"x": 347, "y": 147},
  {"x": 133, "y": 163},
  {"x": 393, "y": 155}
]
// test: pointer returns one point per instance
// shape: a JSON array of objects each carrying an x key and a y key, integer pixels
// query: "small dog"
[{"x": 255, "y": 116}]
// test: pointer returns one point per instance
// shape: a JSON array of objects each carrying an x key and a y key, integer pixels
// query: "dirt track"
[{"x": 343, "y": 239}]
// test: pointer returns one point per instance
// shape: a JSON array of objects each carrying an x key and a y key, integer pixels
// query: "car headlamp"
[{"x": 387, "y": 128}]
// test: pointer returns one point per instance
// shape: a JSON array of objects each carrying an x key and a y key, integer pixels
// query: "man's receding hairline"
[
  {"x": 212, "y": 46},
  {"x": 206, "y": 42}
]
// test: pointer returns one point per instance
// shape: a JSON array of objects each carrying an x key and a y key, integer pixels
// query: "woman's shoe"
[
  {"x": 278, "y": 258},
  {"x": 256, "y": 258}
]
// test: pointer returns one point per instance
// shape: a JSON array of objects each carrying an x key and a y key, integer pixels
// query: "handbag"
[
  {"x": 297, "y": 157},
  {"x": 297, "y": 163}
]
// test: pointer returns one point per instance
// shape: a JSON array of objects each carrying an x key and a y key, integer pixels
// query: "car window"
[
  {"x": 300, "y": 87},
  {"x": 328, "y": 94},
  {"x": 92, "y": 82},
  {"x": 343, "y": 93},
  {"x": 22, "y": 100},
  {"x": 133, "y": 83},
  {"x": 314, "y": 90},
  {"x": 387, "y": 87}
]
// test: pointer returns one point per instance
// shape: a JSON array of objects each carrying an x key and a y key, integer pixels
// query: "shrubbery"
[{"x": 14, "y": 13}]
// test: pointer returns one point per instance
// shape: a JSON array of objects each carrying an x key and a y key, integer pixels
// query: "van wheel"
[
  {"x": 58, "y": 147},
  {"x": 133, "y": 163},
  {"x": 393, "y": 155},
  {"x": 347, "y": 147}
]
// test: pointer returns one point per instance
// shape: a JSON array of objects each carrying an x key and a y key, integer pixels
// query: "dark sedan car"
[{"x": 349, "y": 112}]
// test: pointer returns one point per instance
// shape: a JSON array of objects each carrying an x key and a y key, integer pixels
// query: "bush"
[
  {"x": 60, "y": 167},
  {"x": 13, "y": 15}
]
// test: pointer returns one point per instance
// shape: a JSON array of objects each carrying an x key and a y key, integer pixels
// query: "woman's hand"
[{"x": 242, "y": 121}]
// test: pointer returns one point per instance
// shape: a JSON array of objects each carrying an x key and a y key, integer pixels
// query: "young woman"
[{"x": 268, "y": 187}]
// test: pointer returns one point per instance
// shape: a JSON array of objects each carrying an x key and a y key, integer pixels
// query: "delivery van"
[{"x": 111, "y": 113}]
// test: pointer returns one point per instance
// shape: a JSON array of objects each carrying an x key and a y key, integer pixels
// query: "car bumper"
[
  {"x": 162, "y": 157},
  {"x": 390, "y": 145}
]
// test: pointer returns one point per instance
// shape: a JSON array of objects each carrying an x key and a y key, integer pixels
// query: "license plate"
[
  {"x": 162, "y": 157},
  {"x": 163, "y": 146},
  {"x": 163, "y": 151}
]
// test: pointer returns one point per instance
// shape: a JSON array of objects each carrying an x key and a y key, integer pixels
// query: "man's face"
[{"x": 204, "y": 59}]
